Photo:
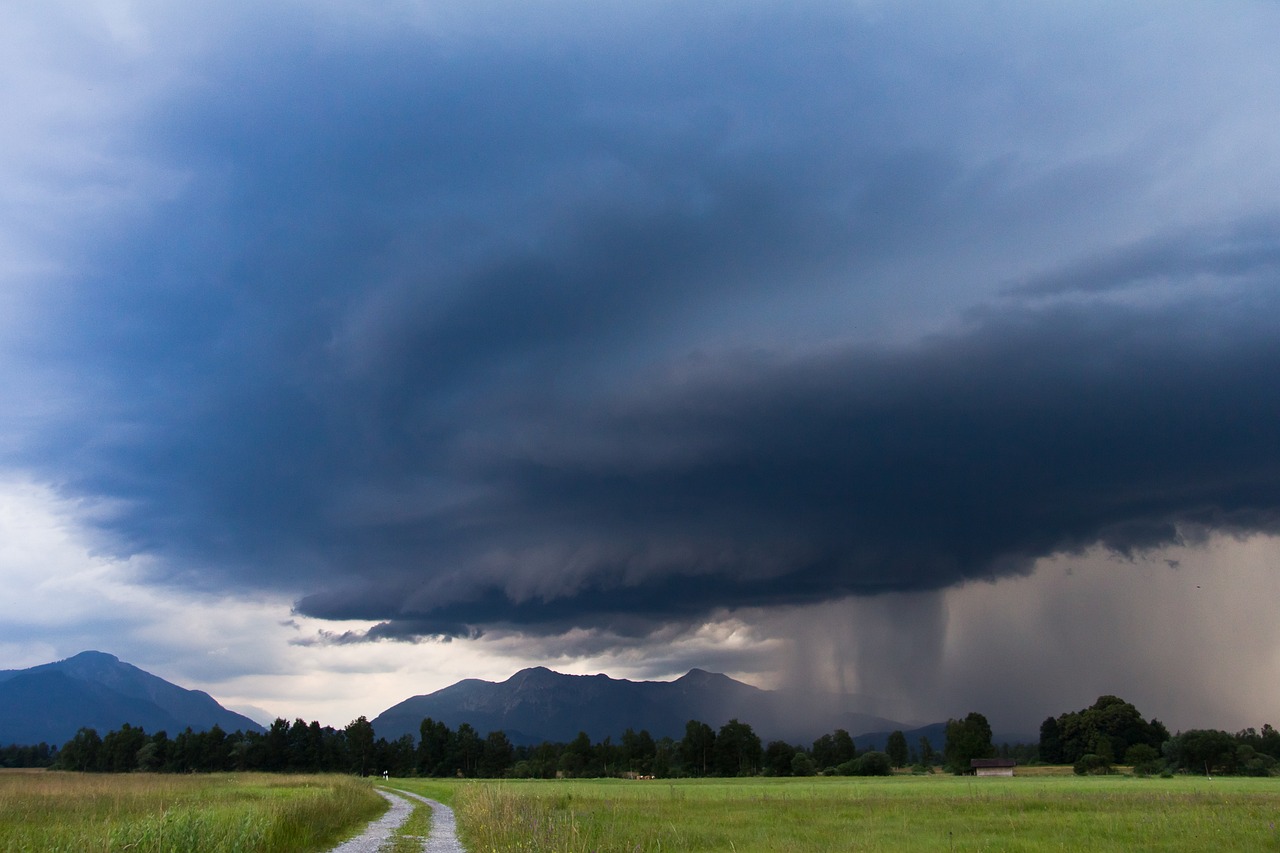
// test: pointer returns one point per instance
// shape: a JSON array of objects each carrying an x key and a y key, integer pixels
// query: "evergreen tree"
[
  {"x": 697, "y": 747},
  {"x": 496, "y": 755},
  {"x": 638, "y": 751},
  {"x": 778, "y": 756},
  {"x": 576, "y": 758},
  {"x": 927, "y": 755},
  {"x": 467, "y": 749},
  {"x": 896, "y": 749},
  {"x": 275, "y": 748},
  {"x": 435, "y": 745},
  {"x": 359, "y": 734},
  {"x": 120, "y": 748},
  {"x": 1050, "y": 742}
]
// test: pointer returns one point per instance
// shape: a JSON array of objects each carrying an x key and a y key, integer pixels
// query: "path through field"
[
  {"x": 444, "y": 830},
  {"x": 443, "y": 837}
]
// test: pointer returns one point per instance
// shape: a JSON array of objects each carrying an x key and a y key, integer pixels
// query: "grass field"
[
  {"x": 143, "y": 813},
  {"x": 902, "y": 813},
  {"x": 246, "y": 812}
]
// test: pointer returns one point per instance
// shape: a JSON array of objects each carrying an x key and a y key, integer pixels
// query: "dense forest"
[{"x": 1094, "y": 740}]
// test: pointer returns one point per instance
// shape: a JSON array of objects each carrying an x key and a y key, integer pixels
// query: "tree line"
[
  {"x": 440, "y": 751},
  {"x": 298, "y": 747},
  {"x": 1093, "y": 740},
  {"x": 40, "y": 755},
  {"x": 1112, "y": 731}
]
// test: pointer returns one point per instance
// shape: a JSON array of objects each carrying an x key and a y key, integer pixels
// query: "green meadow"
[
  {"x": 50, "y": 812},
  {"x": 900, "y": 813},
  {"x": 269, "y": 812}
]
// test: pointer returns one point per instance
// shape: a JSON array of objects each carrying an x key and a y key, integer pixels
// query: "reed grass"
[{"x": 144, "y": 813}]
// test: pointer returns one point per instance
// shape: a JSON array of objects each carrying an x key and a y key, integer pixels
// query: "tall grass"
[
  {"x": 896, "y": 814},
  {"x": 142, "y": 813}
]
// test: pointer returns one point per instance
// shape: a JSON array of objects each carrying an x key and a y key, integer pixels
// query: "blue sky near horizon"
[{"x": 350, "y": 350}]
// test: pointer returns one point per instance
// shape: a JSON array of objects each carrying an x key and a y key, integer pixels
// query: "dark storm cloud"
[
  {"x": 862, "y": 472},
  {"x": 586, "y": 332}
]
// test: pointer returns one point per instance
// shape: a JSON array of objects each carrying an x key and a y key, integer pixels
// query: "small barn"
[{"x": 992, "y": 766}]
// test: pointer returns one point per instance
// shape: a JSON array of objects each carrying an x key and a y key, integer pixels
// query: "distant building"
[{"x": 992, "y": 766}]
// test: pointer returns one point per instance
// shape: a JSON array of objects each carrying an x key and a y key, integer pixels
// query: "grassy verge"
[
  {"x": 144, "y": 813},
  {"x": 894, "y": 814}
]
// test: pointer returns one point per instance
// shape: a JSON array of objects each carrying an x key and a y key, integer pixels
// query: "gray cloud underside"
[
  {"x": 452, "y": 340},
  {"x": 858, "y": 473}
]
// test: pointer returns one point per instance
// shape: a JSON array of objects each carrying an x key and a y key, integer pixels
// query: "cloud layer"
[{"x": 601, "y": 319}]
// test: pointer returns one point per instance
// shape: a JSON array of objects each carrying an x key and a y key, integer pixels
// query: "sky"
[{"x": 923, "y": 353}]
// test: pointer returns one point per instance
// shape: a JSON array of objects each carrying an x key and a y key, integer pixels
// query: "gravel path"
[
  {"x": 444, "y": 830},
  {"x": 380, "y": 830},
  {"x": 444, "y": 833}
]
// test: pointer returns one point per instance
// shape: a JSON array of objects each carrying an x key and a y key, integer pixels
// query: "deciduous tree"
[
  {"x": 967, "y": 739},
  {"x": 737, "y": 750}
]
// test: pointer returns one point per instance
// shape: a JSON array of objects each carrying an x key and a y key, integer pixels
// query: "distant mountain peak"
[
  {"x": 97, "y": 690},
  {"x": 541, "y": 675},
  {"x": 696, "y": 674},
  {"x": 538, "y": 704},
  {"x": 93, "y": 654},
  {"x": 90, "y": 661},
  {"x": 702, "y": 679},
  {"x": 533, "y": 677}
]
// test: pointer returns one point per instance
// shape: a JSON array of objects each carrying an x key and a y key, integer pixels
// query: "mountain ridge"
[
  {"x": 50, "y": 702},
  {"x": 538, "y": 704}
]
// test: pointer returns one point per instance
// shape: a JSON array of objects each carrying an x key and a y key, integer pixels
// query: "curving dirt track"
[
  {"x": 443, "y": 837},
  {"x": 444, "y": 829}
]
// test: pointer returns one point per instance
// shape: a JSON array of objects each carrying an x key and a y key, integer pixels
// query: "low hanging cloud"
[
  {"x": 754, "y": 482},
  {"x": 594, "y": 333}
]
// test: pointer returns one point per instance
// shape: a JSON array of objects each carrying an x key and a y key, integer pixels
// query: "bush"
[
  {"x": 873, "y": 764},
  {"x": 1144, "y": 758},
  {"x": 802, "y": 765},
  {"x": 867, "y": 764},
  {"x": 1092, "y": 765},
  {"x": 1254, "y": 763}
]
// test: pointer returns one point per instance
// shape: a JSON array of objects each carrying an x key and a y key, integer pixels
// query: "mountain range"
[
  {"x": 49, "y": 703},
  {"x": 538, "y": 704}
]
